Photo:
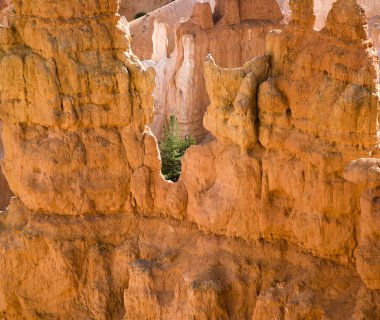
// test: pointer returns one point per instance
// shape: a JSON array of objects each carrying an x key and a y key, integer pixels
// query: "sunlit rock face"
[
  {"x": 276, "y": 217},
  {"x": 66, "y": 97}
]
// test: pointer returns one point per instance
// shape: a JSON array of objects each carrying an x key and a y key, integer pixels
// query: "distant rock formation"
[
  {"x": 6, "y": 12},
  {"x": 142, "y": 29},
  {"x": 180, "y": 83},
  {"x": 180, "y": 87}
]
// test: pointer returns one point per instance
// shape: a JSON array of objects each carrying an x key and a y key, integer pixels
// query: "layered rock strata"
[{"x": 265, "y": 221}]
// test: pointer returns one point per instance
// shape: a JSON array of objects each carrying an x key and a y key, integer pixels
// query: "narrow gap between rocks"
[{"x": 173, "y": 146}]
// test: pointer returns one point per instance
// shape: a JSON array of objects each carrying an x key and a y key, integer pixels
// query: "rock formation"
[
  {"x": 180, "y": 83},
  {"x": 68, "y": 97},
  {"x": 180, "y": 87},
  {"x": 143, "y": 28},
  {"x": 275, "y": 218}
]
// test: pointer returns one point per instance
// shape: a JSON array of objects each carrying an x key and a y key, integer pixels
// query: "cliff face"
[
  {"x": 270, "y": 220},
  {"x": 65, "y": 100}
]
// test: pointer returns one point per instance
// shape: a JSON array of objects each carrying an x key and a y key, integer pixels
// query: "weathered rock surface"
[
  {"x": 265, "y": 222},
  {"x": 301, "y": 151},
  {"x": 65, "y": 102}
]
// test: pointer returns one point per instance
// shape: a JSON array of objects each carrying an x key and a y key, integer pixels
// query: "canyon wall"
[
  {"x": 275, "y": 218},
  {"x": 142, "y": 30},
  {"x": 5, "y": 192}
]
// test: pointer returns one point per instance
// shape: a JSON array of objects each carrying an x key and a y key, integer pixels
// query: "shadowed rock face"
[
  {"x": 270, "y": 219},
  {"x": 5, "y": 192},
  {"x": 6, "y": 13},
  {"x": 129, "y": 8}
]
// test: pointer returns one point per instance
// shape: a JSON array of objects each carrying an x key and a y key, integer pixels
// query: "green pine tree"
[{"x": 172, "y": 148}]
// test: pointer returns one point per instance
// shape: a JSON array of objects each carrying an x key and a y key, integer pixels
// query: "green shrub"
[{"x": 172, "y": 148}]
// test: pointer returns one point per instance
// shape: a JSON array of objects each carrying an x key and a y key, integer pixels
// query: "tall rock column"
[
  {"x": 72, "y": 93},
  {"x": 74, "y": 101}
]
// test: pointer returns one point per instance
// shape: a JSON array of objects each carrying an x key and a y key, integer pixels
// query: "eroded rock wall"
[
  {"x": 65, "y": 101},
  {"x": 306, "y": 121},
  {"x": 5, "y": 192},
  {"x": 265, "y": 221},
  {"x": 374, "y": 30}
]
